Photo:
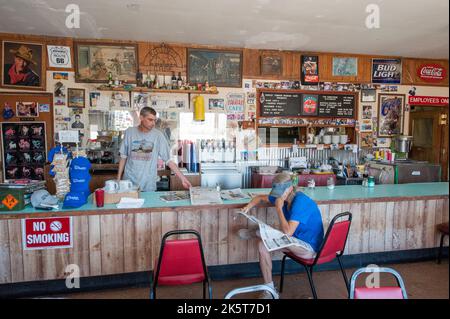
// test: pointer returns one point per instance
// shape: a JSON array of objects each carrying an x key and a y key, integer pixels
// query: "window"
[{"x": 214, "y": 126}]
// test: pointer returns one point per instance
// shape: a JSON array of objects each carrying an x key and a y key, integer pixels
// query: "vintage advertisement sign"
[
  {"x": 428, "y": 100},
  {"x": 432, "y": 72},
  {"x": 386, "y": 71},
  {"x": 310, "y": 69},
  {"x": 309, "y": 104},
  {"x": 235, "y": 103},
  {"x": 47, "y": 233},
  {"x": 59, "y": 56}
]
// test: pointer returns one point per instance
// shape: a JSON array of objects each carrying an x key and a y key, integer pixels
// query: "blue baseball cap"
[
  {"x": 278, "y": 189},
  {"x": 80, "y": 183},
  {"x": 74, "y": 200},
  {"x": 80, "y": 166}
]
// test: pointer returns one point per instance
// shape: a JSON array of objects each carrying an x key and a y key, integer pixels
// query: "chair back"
[
  {"x": 335, "y": 239},
  {"x": 181, "y": 261},
  {"x": 398, "y": 292}
]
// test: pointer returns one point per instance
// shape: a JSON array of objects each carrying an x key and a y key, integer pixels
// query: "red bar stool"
[
  {"x": 180, "y": 262},
  {"x": 443, "y": 229},
  {"x": 377, "y": 292},
  {"x": 332, "y": 247}
]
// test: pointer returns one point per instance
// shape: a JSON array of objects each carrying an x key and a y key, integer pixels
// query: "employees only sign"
[{"x": 47, "y": 233}]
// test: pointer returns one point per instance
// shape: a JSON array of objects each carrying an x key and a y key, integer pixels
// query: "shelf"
[
  {"x": 304, "y": 125},
  {"x": 144, "y": 89}
]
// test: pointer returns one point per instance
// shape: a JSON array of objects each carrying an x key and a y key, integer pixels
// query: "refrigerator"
[{"x": 404, "y": 171}]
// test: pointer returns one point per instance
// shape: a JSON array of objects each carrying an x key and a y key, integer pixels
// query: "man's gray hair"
[{"x": 146, "y": 110}]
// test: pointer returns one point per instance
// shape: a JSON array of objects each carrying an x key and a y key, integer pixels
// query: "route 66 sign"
[{"x": 59, "y": 56}]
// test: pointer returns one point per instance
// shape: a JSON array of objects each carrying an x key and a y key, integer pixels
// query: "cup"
[
  {"x": 111, "y": 186},
  {"x": 330, "y": 182},
  {"x": 125, "y": 185},
  {"x": 317, "y": 139},
  {"x": 343, "y": 139},
  {"x": 100, "y": 197}
]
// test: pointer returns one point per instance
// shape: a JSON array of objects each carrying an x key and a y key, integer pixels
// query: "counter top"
[{"x": 322, "y": 195}]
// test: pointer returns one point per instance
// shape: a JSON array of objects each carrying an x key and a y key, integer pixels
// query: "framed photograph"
[
  {"x": 27, "y": 109},
  {"x": 345, "y": 66},
  {"x": 368, "y": 95},
  {"x": 23, "y": 65},
  {"x": 271, "y": 64},
  {"x": 390, "y": 114},
  {"x": 218, "y": 67},
  {"x": 94, "y": 61},
  {"x": 367, "y": 112},
  {"x": 216, "y": 104},
  {"x": 75, "y": 98}
]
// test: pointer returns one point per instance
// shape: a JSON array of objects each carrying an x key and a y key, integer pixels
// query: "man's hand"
[
  {"x": 279, "y": 202},
  {"x": 186, "y": 183}
]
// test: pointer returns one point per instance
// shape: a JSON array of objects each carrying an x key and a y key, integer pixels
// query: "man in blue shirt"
[{"x": 299, "y": 217}]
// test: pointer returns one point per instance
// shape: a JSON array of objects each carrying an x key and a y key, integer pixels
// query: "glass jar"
[
  {"x": 311, "y": 183},
  {"x": 330, "y": 183}
]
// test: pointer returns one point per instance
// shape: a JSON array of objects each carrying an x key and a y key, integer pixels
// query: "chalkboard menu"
[
  {"x": 307, "y": 104},
  {"x": 279, "y": 104}
]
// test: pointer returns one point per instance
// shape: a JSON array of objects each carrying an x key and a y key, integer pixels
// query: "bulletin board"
[{"x": 26, "y": 134}]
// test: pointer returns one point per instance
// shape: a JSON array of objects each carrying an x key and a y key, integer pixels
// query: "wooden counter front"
[{"x": 112, "y": 241}]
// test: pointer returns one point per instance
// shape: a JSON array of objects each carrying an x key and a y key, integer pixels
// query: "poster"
[
  {"x": 390, "y": 114},
  {"x": 310, "y": 69},
  {"x": 345, "y": 66},
  {"x": 59, "y": 56},
  {"x": 24, "y": 150}
]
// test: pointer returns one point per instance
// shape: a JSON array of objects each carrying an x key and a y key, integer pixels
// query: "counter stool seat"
[{"x": 443, "y": 229}]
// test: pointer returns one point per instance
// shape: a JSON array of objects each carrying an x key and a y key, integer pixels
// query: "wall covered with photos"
[{"x": 74, "y": 100}]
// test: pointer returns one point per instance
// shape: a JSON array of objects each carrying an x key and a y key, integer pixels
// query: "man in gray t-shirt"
[{"x": 140, "y": 150}]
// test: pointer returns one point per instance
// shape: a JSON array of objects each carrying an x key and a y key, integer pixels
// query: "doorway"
[{"x": 429, "y": 127}]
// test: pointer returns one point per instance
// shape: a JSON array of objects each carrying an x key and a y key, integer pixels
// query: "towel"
[{"x": 127, "y": 202}]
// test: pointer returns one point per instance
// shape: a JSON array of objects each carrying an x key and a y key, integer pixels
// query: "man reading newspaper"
[{"x": 300, "y": 223}]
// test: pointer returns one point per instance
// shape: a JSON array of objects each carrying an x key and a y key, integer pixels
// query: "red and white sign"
[
  {"x": 432, "y": 72},
  {"x": 428, "y": 100},
  {"x": 47, "y": 233}
]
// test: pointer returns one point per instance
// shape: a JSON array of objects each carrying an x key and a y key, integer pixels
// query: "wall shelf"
[{"x": 144, "y": 89}]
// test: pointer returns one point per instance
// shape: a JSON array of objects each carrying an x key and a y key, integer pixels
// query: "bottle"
[
  {"x": 110, "y": 79},
  {"x": 155, "y": 82},
  {"x": 174, "y": 81},
  {"x": 179, "y": 81},
  {"x": 148, "y": 80}
]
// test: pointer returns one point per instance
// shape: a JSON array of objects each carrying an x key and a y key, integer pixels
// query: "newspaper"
[
  {"x": 174, "y": 196},
  {"x": 205, "y": 196},
  {"x": 274, "y": 239},
  {"x": 233, "y": 194}
]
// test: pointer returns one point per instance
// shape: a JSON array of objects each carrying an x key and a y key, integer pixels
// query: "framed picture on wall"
[
  {"x": 271, "y": 64},
  {"x": 23, "y": 65},
  {"x": 218, "y": 67},
  {"x": 94, "y": 61},
  {"x": 390, "y": 114},
  {"x": 345, "y": 66},
  {"x": 75, "y": 98},
  {"x": 368, "y": 95}
]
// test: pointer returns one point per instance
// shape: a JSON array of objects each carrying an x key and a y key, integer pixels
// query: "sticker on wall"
[
  {"x": 44, "y": 108},
  {"x": 59, "y": 56},
  {"x": 216, "y": 104},
  {"x": 140, "y": 100},
  {"x": 60, "y": 76},
  {"x": 247, "y": 85},
  {"x": 8, "y": 111},
  {"x": 60, "y": 94}
]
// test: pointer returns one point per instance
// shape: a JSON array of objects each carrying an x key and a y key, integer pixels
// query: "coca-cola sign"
[{"x": 432, "y": 72}]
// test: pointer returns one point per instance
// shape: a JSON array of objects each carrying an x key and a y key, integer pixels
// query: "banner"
[
  {"x": 47, "y": 233},
  {"x": 387, "y": 71}
]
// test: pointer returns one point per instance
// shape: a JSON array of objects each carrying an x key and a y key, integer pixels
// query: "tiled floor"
[{"x": 423, "y": 280}]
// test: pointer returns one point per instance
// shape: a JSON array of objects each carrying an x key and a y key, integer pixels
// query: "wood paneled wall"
[
  {"x": 130, "y": 242},
  {"x": 251, "y": 60}
]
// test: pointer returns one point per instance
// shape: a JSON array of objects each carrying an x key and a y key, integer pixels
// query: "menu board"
[
  {"x": 307, "y": 104},
  {"x": 279, "y": 104}
]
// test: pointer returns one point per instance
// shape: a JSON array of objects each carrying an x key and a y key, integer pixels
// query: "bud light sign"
[
  {"x": 386, "y": 71},
  {"x": 47, "y": 233}
]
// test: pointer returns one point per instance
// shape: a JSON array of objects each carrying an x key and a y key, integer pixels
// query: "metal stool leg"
[
  {"x": 440, "y": 249},
  {"x": 344, "y": 275},
  {"x": 311, "y": 282},
  {"x": 282, "y": 273}
]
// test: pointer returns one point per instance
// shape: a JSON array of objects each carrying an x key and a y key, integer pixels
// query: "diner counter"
[
  {"x": 321, "y": 195},
  {"x": 106, "y": 241}
]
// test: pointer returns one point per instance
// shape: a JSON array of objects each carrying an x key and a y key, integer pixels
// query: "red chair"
[
  {"x": 332, "y": 247},
  {"x": 180, "y": 262},
  {"x": 443, "y": 229},
  {"x": 377, "y": 292}
]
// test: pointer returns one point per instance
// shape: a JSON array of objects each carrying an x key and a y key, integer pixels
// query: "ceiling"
[{"x": 408, "y": 28}]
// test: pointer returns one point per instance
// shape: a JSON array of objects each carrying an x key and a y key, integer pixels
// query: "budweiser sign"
[{"x": 432, "y": 72}]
